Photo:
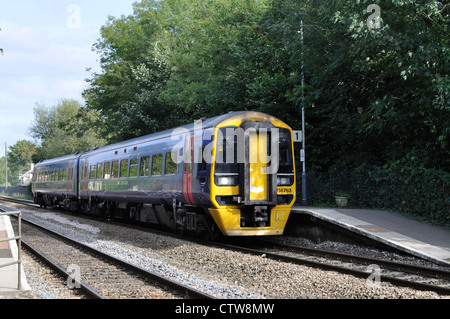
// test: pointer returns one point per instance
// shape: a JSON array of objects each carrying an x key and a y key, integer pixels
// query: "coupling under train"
[{"x": 233, "y": 173}]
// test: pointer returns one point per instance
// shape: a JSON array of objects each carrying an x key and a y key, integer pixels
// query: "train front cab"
[{"x": 252, "y": 194}]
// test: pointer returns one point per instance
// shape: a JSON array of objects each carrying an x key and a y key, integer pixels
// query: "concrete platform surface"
[
  {"x": 8, "y": 254},
  {"x": 412, "y": 236}
]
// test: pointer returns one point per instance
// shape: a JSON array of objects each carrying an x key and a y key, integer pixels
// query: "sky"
[{"x": 47, "y": 48}]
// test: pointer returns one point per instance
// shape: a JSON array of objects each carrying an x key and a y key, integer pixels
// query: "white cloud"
[
  {"x": 21, "y": 37},
  {"x": 44, "y": 60}
]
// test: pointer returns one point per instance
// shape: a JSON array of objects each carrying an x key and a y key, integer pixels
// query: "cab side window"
[{"x": 92, "y": 172}]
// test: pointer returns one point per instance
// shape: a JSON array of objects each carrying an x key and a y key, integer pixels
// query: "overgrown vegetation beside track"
[{"x": 423, "y": 193}]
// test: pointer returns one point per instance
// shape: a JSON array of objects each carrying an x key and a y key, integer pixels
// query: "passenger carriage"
[{"x": 234, "y": 172}]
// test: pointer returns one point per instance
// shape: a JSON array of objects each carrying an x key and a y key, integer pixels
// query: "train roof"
[
  {"x": 66, "y": 158},
  {"x": 211, "y": 122}
]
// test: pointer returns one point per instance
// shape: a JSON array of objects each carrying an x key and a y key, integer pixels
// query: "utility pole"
[
  {"x": 302, "y": 154},
  {"x": 6, "y": 167}
]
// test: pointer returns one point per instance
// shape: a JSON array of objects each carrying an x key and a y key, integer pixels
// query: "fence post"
[{"x": 19, "y": 253}]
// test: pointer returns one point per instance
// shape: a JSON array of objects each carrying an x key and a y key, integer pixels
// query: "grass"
[{"x": 17, "y": 195}]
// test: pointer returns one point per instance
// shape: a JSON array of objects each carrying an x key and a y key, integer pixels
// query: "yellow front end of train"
[{"x": 253, "y": 184}]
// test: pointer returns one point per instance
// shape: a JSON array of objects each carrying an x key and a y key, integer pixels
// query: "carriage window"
[
  {"x": 124, "y": 168},
  {"x": 157, "y": 164},
  {"x": 115, "y": 169},
  {"x": 107, "y": 171},
  {"x": 99, "y": 170},
  {"x": 92, "y": 172},
  {"x": 145, "y": 166},
  {"x": 134, "y": 164},
  {"x": 171, "y": 166}
]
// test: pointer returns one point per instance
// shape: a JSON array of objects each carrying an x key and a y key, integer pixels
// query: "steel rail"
[
  {"x": 189, "y": 291},
  {"x": 436, "y": 273},
  {"x": 416, "y": 269},
  {"x": 86, "y": 289},
  {"x": 346, "y": 270}
]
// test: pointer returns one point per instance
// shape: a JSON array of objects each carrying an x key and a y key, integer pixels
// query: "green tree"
[
  {"x": 380, "y": 95},
  {"x": 209, "y": 49},
  {"x": 64, "y": 129},
  {"x": 134, "y": 72},
  {"x": 171, "y": 62},
  {"x": 2, "y": 173},
  {"x": 388, "y": 87},
  {"x": 20, "y": 160}
]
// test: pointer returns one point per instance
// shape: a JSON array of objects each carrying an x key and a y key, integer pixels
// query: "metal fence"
[
  {"x": 14, "y": 190},
  {"x": 18, "y": 262}
]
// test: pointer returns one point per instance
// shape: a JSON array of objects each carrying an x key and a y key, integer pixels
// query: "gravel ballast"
[{"x": 219, "y": 272}]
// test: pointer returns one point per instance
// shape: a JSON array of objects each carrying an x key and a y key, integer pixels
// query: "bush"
[{"x": 421, "y": 192}]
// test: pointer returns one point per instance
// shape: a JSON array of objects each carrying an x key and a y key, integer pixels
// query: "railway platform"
[
  {"x": 9, "y": 254},
  {"x": 388, "y": 228}
]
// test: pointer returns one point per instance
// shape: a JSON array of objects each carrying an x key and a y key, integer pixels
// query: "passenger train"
[{"x": 233, "y": 173}]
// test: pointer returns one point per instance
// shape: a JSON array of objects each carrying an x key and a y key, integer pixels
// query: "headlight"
[
  {"x": 284, "y": 181},
  {"x": 226, "y": 180}
]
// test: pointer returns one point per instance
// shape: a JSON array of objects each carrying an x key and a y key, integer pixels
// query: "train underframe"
[{"x": 178, "y": 217}]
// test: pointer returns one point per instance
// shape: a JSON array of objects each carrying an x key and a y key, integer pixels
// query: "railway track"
[
  {"x": 374, "y": 270},
  {"x": 97, "y": 274}
]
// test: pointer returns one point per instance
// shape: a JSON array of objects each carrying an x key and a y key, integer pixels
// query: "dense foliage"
[
  {"x": 375, "y": 96},
  {"x": 19, "y": 162},
  {"x": 376, "y": 85},
  {"x": 64, "y": 129}
]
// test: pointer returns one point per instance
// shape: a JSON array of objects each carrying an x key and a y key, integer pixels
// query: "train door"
[
  {"x": 69, "y": 180},
  {"x": 188, "y": 169},
  {"x": 260, "y": 166}
]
